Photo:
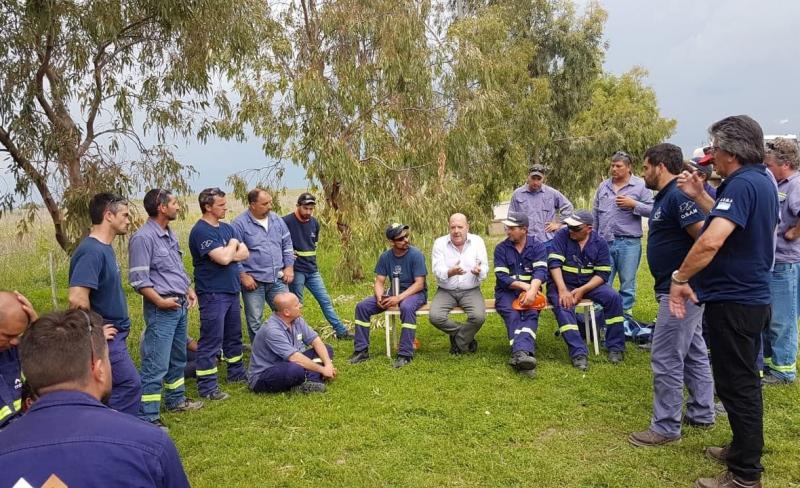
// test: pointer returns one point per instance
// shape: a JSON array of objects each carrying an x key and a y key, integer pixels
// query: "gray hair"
[
  {"x": 740, "y": 136},
  {"x": 785, "y": 151}
]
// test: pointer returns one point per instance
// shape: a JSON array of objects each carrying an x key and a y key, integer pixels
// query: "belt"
[
  {"x": 181, "y": 298},
  {"x": 627, "y": 237}
]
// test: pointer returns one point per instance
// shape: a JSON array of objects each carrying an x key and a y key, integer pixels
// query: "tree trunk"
[{"x": 349, "y": 258}]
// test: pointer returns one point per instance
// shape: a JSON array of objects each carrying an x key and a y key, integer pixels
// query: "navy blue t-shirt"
[
  {"x": 410, "y": 265},
  {"x": 304, "y": 241},
  {"x": 668, "y": 243},
  {"x": 210, "y": 277},
  {"x": 93, "y": 265},
  {"x": 740, "y": 272}
]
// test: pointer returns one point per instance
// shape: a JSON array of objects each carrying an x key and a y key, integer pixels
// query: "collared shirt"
[
  {"x": 69, "y": 436},
  {"x": 94, "y": 265},
  {"x": 156, "y": 261},
  {"x": 274, "y": 343},
  {"x": 712, "y": 192},
  {"x": 270, "y": 249},
  {"x": 740, "y": 271},
  {"x": 511, "y": 265},
  {"x": 410, "y": 265},
  {"x": 445, "y": 256},
  {"x": 304, "y": 241},
  {"x": 668, "y": 243},
  {"x": 610, "y": 220},
  {"x": 578, "y": 266},
  {"x": 10, "y": 386},
  {"x": 789, "y": 198},
  {"x": 210, "y": 276},
  {"x": 541, "y": 207}
]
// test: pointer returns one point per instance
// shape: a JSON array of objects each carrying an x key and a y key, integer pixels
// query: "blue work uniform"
[
  {"x": 10, "y": 386},
  {"x": 578, "y": 266},
  {"x": 541, "y": 206},
  {"x": 69, "y": 438},
  {"x": 526, "y": 266}
]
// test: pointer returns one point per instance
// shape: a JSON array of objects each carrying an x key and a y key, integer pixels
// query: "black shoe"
[
  {"x": 771, "y": 380},
  {"x": 158, "y": 423},
  {"x": 359, "y": 357},
  {"x": 522, "y": 360},
  {"x": 473, "y": 346},
  {"x": 697, "y": 425},
  {"x": 345, "y": 336},
  {"x": 454, "y": 349},
  {"x": 401, "y": 361},
  {"x": 309, "y": 387},
  {"x": 581, "y": 362},
  {"x": 616, "y": 357},
  {"x": 217, "y": 395}
]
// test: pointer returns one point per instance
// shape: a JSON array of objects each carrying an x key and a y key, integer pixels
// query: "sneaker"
[
  {"x": 726, "y": 480},
  {"x": 522, "y": 360},
  {"x": 473, "y": 347},
  {"x": 359, "y": 357},
  {"x": 309, "y": 387},
  {"x": 401, "y": 361},
  {"x": 158, "y": 423},
  {"x": 581, "y": 362},
  {"x": 217, "y": 395},
  {"x": 186, "y": 406},
  {"x": 616, "y": 357},
  {"x": 718, "y": 454},
  {"x": 345, "y": 336},
  {"x": 772, "y": 380},
  {"x": 648, "y": 438},
  {"x": 697, "y": 425}
]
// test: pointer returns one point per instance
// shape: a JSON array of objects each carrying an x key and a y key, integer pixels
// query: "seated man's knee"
[
  {"x": 477, "y": 317},
  {"x": 438, "y": 316},
  {"x": 408, "y": 306}
]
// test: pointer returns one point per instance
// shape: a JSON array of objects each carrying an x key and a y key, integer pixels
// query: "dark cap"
[
  {"x": 395, "y": 230},
  {"x": 537, "y": 170},
  {"x": 516, "y": 219},
  {"x": 705, "y": 169},
  {"x": 306, "y": 199},
  {"x": 581, "y": 217}
]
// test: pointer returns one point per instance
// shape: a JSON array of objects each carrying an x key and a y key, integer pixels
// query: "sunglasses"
[
  {"x": 576, "y": 228},
  {"x": 90, "y": 327},
  {"x": 401, "y": 238}
]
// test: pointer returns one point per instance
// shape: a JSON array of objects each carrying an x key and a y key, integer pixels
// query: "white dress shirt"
[{"x": 445, "y": 256}]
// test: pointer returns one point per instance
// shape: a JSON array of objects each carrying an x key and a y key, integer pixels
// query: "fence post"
[{"x": 52, "y": 280}]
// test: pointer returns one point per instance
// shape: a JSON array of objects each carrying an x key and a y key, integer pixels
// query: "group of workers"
[{"x": 711, "y": 258}]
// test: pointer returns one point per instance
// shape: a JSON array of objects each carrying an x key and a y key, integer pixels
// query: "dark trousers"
[
  {"x": 368, "y": 307},
  {"x": 521, "y": 326},
  {"x": 283, "y": 376},
  {"x": 126, "y": 385},
  {"x": 735, "y": 340},
  {"x": 220, "y": 327}
]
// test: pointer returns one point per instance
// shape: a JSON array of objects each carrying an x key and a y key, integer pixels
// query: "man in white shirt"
[{"x": 460, "y": 264}]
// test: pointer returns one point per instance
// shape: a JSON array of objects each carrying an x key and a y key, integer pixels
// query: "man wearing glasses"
[
  {"x": 542, "y": 205},
  {"x": 404, "y": 267},
  {"x": 156, "y": 272},
  {"x": 16, "y": 314},
  {"x": 217, "y": 250},
  {"x": 580, "y": 265},
  {"x": 95, "y": 284},
  {"x": 619, "y": 204}
]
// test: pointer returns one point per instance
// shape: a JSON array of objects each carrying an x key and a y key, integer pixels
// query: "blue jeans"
[
  {"x": 626, "y": 252},
  {"x": 313, "y": 281},
  {"x": 254, "y": 302},
  {"x": 780, "y": 339},
  {"x": 163, "y": 358}
]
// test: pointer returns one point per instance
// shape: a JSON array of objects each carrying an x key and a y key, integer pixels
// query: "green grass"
[{"x": 442, "y": 421}]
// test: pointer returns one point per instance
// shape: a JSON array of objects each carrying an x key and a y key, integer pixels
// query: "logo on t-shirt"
[
  {"x": 687, "y": 209},
  {"x": 656, "y": 216},
  {"x": 206, "y": 244},
  {"x": 17, "y": 384},
  {"x": 724, "y": 204}
]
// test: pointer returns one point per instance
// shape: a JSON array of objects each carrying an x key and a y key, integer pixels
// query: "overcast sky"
[{"x": 706, "y": 59}]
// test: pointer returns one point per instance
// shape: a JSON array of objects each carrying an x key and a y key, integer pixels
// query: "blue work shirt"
[
  {"x": 209, "y": 276},
  {"x": 69, "y": 436},
  {"x": 156, "y": 261},
  {"x": 274, "y": 343},
  {"x": 712, "y": 192},
  {"x": 94, "y": 265},
  {"x": 304, "y": 241},
  {"x": 541, "y": 208},
  {"x": 578, "y": 266},
  {"x": 410, "y": 265},
  {"x": 270, "y": 249},
  {"x": 668, "y": 243},
  {"x": 789, "y": 198},
  {"x": 10, "y": 386},
  {"x": 525, "y": 266},
  {"x": 741, "y": 270},
  {"x": 610, "y": 220}
]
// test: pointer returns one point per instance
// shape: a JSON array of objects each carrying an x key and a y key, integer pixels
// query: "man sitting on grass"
[{"x": 281, "y": 358}]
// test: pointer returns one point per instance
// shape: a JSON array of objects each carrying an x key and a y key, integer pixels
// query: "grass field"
[{"x": 443, "y": 420}]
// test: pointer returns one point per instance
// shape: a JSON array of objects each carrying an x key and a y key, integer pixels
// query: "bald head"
[
  {"x": 13, "y": 320},
  {"x": 284, "y": 301},
  {"x": 458, "y": 229}
]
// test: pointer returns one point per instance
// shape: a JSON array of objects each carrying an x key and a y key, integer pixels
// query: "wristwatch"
[{"x": 677, "y": 281}]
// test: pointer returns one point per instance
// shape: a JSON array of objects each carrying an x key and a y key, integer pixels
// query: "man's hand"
[
  {"x": 170, "y": 303},
  {"x": 477, "y": 269},
  {"x": 577, "y": 294},
  {"x": 248, "y": 283},
  {"x": 328, "y": 372},
  {"x": 288, "y": 275},
  {"x": 110, "y": 332},
  {"x": 530, "y": 296},
  {"x": 678, "y": 294},
  {"x": 792, "y": 234},
  {"x": 552, "y": 226},
  {"x": 390, "y": 301},
  {"x": 27, "y": 307},
  {"x": 566, "y": 299},
  {"x": 456, "y": 270},
  {"x": 690, "y": 184},
  {"x": 191, "y": 298},
  {"x": 625, "y": 202}
]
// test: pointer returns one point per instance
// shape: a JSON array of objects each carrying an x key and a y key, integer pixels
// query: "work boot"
[
  {"x": 616, "y": 357},
  {"x": 186, "y": 406},
  {"x": 522, "y": 361},
  {"x": 216, "y": 395},
  {"x": 771, "y": 380},
  {"x": 648, "y": 438},
  {"x": 161, "y": 425},
  {"x": 307, "y": 387},
  {"x": 473, "y": 347},
  {"x": 359, "y": 357},
  {"x": 718, "y": 454},
  {"x": 454, "y": 349},
  {"x": 697, "y": 425},
  {"x": 345, "y": 336},
  {"x": 726, "y": 480},
  {"x": 581, "y": 362},
  {"x": 401, "y": 361}
]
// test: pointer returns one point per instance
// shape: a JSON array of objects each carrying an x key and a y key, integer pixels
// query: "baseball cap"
[
  {"x": 306, "y": 199},
  {"x": 395, "y": 230},
  {"x": 516, "y": 219},
  {"x": 705, "y": 169},
  {"x": 537, "y": 170},
  {"x": 580, "y": 217}
]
